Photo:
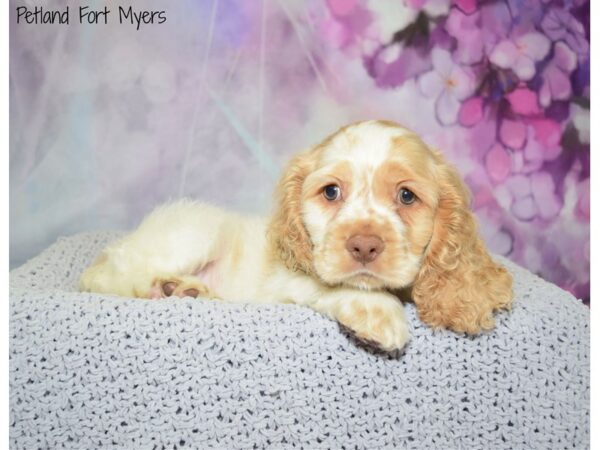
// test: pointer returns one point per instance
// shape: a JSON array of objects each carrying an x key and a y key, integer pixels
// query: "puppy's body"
[
  {"x": 180, "y": 239},
  {"x": 368, "y": 211}
]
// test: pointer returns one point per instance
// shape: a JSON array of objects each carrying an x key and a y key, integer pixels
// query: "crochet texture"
[{"x": 91, "y": 371}]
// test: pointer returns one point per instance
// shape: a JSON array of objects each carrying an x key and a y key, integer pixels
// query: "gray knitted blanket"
[{"x": 90, "y": 371}]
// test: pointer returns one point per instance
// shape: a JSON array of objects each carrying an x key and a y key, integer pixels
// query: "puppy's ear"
[
  {"x": 287, "y": 232},
  {"x": 459, "y": 285}
]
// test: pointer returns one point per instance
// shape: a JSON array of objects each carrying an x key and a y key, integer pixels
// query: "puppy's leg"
[
  {"x": 377, "y": 317},
  {"x": 169, "y": 246},
  {"x": 374, "y": 316}
]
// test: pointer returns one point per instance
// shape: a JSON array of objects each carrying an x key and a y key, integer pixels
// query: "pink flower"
[
  {"x": 547, "y": 132},
  {"x": 520, "y": 54},
  {"x": 513, "y": 133},
  {"x": 541, "y": 145},
  {"x": 498, "y": 163},
  {"x": 471, "y": 111},
  {"x": 335, "y": 33},
  {"x": 467, "y": 6},
  {"x": 482, "y": 134},
  {"x": 449, "y": 83},
  {"x": 346, "y": 26},
  {"x": 341, "y": 7},
  {"x": 524, "y": 101},
  {"x": 556, "y": 75}
]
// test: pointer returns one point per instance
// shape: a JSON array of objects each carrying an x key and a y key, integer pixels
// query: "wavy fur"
[
  {"x": 286, "y": 231},
  {"x": 459, "y": 286}
]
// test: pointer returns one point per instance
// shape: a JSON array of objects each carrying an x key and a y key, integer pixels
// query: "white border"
[
  {"x": 594, "y": 224},
  {"x": 4, "y": 130}
]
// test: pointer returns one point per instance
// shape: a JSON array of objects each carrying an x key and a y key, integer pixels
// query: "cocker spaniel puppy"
[{"x": 365, "y": 213}]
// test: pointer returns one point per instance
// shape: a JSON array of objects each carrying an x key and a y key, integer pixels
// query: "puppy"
[{"x": 367, "y": 212}]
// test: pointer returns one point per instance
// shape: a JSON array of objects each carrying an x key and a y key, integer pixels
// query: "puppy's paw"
[
  {"x": 180, "y": 286},
  {"x": 379, "y": 320}
]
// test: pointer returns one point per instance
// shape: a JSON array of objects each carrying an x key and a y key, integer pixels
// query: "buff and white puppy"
[{"x": 367, "y": 212}]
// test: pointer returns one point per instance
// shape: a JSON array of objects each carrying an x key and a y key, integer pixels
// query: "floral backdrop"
[{"x": 109, "y": 120}]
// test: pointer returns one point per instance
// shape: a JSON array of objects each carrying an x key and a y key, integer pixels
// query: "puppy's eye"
[
  {"x": 406, "y": 196},
  {"x": 332, "y": 192}
]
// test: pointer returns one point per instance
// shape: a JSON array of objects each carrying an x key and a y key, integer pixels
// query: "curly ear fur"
[
  {"x": 459, "y": 285},
  {"x": 287, "y": 232}
]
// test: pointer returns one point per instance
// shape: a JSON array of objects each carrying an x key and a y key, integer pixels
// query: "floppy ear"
[
  {"x": 459, "y": 285},
  {"x": 287, "y": 233}
]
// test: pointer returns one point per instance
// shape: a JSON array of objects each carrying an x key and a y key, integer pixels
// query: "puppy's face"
[
  {"x": 372, "y": 207},
  {"x": 368, "y": 206}
]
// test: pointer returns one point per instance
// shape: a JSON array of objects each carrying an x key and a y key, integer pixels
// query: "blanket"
[{"x": 100, "y": 371}]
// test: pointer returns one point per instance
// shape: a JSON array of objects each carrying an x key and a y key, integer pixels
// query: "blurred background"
[{"x": 107, "y": 121}]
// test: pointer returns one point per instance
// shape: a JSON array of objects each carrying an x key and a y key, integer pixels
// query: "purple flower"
[
  {"x": 583, "y": 204},
  {"x": 482, "y": 124},
  {"x": 477, "y": 31},
  {"x": 526, "y": 14},
  {"x": 392, "y": 66},
  {"x": 433, "y": 8},
  {"x": 449, "y": 83},
  {"x": 544, "y": 195},
  {"x": 540, "y": 144},
  {"x": 556, "y": 75},
  {"x": 513, "y": 77},
  {"x": 530, "y": 196},
  {"x": 521, "y": 53},
  {"x": 532, "y": 157},
  {"x": 496, "y": 22},
  {"x": 468, "y": 34},
  {"x": 559, "y": 25}
]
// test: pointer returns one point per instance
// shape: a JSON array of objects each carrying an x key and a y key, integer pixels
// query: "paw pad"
[
  {"x": 191, "y": 292},
  {"x": 169, "y": 287},
  {"x": 181, "y": 286}
]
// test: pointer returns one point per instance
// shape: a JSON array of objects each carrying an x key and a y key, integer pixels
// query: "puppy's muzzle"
[{"x": 365, "y": 248}]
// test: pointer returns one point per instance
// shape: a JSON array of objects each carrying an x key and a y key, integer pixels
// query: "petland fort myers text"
[{"x": 89, "y": 15}]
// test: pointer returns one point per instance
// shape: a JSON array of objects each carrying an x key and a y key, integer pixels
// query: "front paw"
[{"x": 377, "y": 320}]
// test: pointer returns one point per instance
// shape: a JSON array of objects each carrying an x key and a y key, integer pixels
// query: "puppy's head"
[{"x": 373, "y": 207}]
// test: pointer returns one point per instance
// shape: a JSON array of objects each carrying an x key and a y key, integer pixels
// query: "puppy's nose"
[{"x": 365, "y": 249}]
